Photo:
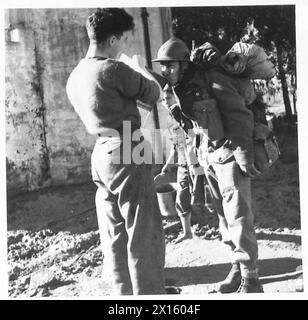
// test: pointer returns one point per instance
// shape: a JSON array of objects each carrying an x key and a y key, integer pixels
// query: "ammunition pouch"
[
  {"x": 266, "y": 149},
  {"x": 208, "y": 117}
]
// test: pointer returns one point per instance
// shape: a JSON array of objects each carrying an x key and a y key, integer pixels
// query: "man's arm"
[
  {"x": 160, "y": 79},
  {"x": 137, "y": 83}
]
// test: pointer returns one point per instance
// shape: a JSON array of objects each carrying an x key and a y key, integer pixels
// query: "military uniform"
[{"x": 218, "y": 102}]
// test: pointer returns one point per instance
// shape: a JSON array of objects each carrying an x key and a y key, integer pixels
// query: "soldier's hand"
[{"x": 250, "y": 170}]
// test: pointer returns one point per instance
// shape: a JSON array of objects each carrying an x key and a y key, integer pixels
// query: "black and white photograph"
[{"x": 153, "y": 150}]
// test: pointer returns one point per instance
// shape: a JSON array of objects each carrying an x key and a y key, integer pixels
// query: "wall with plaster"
[{"x": 46, "y": 143}]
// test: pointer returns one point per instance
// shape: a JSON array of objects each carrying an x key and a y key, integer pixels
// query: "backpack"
[
  {"x": 243, "y": 59},
  {"x": 248, "y": 61}
]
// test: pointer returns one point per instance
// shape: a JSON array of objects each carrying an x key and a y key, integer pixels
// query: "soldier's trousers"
[
  {"x": 129, "y": 221},
  {"x": 232, "y": 196}
]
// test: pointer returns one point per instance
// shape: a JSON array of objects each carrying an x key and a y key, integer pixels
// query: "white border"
[{"x": 301, "y": 30}]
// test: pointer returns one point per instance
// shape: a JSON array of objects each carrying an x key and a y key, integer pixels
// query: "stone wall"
[{"x": 46, "y": 143}]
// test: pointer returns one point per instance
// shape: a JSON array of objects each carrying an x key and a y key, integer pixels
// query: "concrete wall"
[{"x": 46, "y": 143}]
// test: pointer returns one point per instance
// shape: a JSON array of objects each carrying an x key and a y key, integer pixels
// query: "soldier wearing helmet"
[
  {"x": 173, "y": 57},
  {"x": 214, "y": 100}
]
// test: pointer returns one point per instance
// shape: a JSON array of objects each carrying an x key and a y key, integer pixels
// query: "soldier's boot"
[
  {"x": 250, "y": 285},
  {"x": 232, "y": 281}
]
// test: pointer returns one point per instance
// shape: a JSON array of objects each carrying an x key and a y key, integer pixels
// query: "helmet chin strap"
[{"x": 182, "y": 71}]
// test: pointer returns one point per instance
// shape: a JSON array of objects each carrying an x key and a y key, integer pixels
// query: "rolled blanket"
[{"x": 248, "y": 60}]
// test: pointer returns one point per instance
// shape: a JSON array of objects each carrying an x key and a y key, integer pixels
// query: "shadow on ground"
[
  {"x": 279, "y": 237},
  {"x": 272, "y": 270}
]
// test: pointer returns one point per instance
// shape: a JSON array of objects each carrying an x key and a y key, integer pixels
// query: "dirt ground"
[{"x": 54, "y": 247}]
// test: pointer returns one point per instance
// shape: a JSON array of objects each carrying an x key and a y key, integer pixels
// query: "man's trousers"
[
  {"x": 129, "y": 220},
  {"x": 232, "y": 195}
]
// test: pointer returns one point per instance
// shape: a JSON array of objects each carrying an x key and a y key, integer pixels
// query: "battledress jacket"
[{"x": 232, "y": 95}]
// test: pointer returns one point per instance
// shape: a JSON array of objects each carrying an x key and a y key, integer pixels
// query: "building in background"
[{"x": 46, "y": 143}]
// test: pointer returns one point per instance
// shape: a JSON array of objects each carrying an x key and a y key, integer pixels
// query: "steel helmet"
[{"x": 173, "y": 50}]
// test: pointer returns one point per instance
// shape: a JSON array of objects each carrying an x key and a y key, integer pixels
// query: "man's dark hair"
[{"x": 106, "y": 22}]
